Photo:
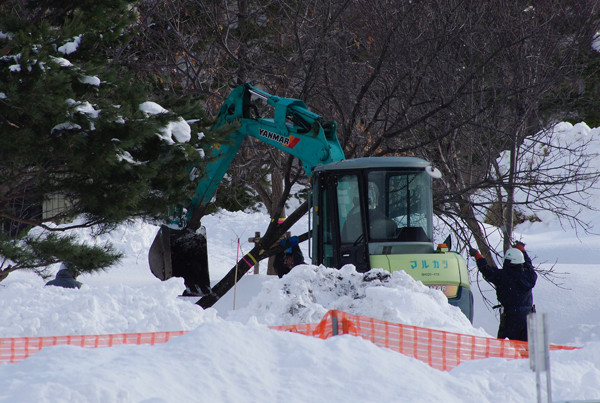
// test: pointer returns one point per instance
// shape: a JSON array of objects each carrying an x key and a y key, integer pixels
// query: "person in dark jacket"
[
  {"x": 66, "y": 277},
  {"x": 288, "y": 259},
  {"x": 513, "y": 284}
]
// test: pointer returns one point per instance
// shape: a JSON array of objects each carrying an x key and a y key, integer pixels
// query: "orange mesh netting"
[
  {"x": 440, "y": 349},
  {"x": 17, "y": 349}
]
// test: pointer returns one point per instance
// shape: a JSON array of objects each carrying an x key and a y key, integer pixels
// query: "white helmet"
[{"x": 514, "y": 256}]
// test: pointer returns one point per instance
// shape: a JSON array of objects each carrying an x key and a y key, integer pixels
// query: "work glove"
[
  {"x": 519, "y": 245},
  {"x": 294, "y": 240},
  {"x": 473, "y": 252}
]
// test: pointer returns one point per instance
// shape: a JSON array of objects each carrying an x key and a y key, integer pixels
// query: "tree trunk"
[{"x": 276, "y": 194}]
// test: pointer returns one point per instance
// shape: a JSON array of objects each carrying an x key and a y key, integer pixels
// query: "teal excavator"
[{"x": 374, "y": 212}]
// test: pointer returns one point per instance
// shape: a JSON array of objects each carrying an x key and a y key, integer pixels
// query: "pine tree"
[{"x": 75, "y": 122}]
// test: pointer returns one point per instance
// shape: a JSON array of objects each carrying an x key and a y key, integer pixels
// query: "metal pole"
[
  {"x": 539, "y": 352},
  {"x": 547, "y": 355},
  {"x": 334, "y": 324}
]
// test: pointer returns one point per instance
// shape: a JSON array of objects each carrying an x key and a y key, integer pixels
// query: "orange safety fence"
[
  {"x": 17, "y": 349},
  {"x": 441, "y": 350}
]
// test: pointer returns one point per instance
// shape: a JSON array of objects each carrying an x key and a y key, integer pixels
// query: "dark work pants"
[{"x": 513, "y": 324}]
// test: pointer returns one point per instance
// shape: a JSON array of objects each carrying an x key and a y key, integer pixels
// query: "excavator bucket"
[
  {"x": 159, "y": 256},
  {"x": 181, "y": 253}
]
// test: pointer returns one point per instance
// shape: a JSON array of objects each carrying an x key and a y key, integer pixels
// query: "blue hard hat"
[{"x": 288, "y": 250}]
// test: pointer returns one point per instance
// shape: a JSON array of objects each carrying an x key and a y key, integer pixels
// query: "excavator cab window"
[
  {"x": 348, "y": 202},
  {"x": 399, "y": 206},
  {"x": 381, "y": 226},
  {"x": 324, "y": 238},
  {"x": 339, "y": 236}
]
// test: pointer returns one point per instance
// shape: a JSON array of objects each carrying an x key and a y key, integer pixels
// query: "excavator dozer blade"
[{"x": 181, "y": 253}]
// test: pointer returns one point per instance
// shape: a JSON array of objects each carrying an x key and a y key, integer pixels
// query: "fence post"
[
  {"x": 539, "y": 352},
  {"x": 255, "y": 240},
  {"x": 334, "y": 324}
]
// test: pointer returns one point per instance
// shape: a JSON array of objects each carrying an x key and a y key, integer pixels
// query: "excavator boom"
[
  {"x": 179, "y": 248},
  {"x": 293, "y": 129}
]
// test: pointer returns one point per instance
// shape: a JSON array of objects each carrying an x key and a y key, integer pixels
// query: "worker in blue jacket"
[
  {"x": 513, "y": 283},
  {"x": 285, "y": 261}
]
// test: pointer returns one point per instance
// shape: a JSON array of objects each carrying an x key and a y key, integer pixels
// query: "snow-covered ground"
[{"x": 230, "y": 355}]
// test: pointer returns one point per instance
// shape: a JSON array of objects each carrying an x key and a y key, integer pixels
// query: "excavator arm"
[
  {"x": 179, "y": 249},
  {"x": 292, "y": 129}
]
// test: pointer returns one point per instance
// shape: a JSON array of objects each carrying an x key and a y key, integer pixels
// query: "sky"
[{"x": 231, "y": 355}]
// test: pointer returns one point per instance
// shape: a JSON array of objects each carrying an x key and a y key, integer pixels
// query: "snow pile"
[
  {"x": 303, "y": 296},
  {"x": 28, "y": 309},
  {"x": 308, "y": 292}
]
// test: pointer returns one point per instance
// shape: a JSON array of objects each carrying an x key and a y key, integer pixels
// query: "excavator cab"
[{"x": 378, "y": 213}]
